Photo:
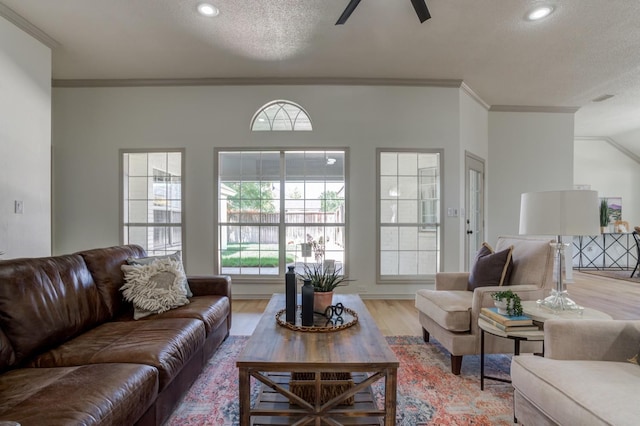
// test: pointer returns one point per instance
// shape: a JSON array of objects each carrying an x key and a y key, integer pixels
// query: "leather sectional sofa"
[{"x": 71, "y": 353}]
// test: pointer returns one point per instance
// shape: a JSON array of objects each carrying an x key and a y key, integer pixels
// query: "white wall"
[
  {"x": 474, "y": 138},
  {"x": 91, "y": 124},
  {"x": 611, "y": 173},
  {"x": 25, "y": 143},
  {"x": 528, "y": 151}
]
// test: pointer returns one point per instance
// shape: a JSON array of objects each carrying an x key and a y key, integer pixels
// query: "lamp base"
[{"x": 559, "y": 301}]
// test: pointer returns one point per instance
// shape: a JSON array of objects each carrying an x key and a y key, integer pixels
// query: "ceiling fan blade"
[
  {"x": 421, "y": 9},
  {"x": 348, "y": 11}
]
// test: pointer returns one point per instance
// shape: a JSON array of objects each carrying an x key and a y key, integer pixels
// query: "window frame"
[
  {"x": 281, "y": 103},
  {"x": 282, "y": 224},
  {"x": 410, "y": 278},
  {"x": 182, "y": 224}
]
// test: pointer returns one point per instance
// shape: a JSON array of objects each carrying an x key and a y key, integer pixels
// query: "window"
[
  {"x": 152, "y": 201},
  {"x": 279, "y": 208},
  {"x": 409, "y": 232},
  {"x": 281, "y": 115}
]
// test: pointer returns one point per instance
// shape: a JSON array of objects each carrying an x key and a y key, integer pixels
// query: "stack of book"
[{"x": 507, "y": 323}]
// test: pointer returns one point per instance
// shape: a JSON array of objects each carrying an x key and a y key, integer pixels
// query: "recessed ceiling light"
[
  {"x": 539, "y": 13},
  {"x": 206, "y": 9}
]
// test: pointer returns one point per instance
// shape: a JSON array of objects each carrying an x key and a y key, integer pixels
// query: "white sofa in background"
[{"x": 584, "y": 378}]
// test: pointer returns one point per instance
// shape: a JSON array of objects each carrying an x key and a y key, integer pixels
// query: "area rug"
[
  {"x": 428, "y": 394},
  {"x": 619, "y": 274}
]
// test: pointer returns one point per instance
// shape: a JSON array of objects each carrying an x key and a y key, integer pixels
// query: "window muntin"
[
  {"x": 279, "y": 208},
  {"x": 409, "y": 231},
  {"x": 281, "y": 116},
  {"x": 152, "y": 200}
]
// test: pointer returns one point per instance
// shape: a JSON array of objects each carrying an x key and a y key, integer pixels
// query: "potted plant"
[
  {"x": 507, "y": 302},
  {"x": 324, "y": 281},
  {"x": 604, "y": 215}
]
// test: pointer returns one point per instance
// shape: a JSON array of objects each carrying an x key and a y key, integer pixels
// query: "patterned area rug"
[{"x": 428, "y": 394}]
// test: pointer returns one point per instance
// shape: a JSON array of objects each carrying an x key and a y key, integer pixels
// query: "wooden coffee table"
[{"x": 273, "y": 352}]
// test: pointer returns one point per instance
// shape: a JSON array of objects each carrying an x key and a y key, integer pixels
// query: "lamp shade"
[{"x": 569, "y": 212}]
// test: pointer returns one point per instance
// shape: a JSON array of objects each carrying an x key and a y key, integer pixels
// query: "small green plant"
[
  {"x": 604, "y": 213},
  {"x": 513, "y": 301},
  {"x": 322, "y": 279}
]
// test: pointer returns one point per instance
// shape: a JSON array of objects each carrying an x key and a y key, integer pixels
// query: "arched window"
[{"x": 281, "y": 116}]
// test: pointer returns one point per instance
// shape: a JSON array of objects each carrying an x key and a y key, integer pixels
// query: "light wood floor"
[{"x": 618, "y": 298}]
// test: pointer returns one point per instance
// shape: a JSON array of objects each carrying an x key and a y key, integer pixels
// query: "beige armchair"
[{"x": 450, "y": 312}]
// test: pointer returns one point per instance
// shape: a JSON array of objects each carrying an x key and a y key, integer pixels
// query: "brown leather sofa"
[{"x": 71, "y": 353}]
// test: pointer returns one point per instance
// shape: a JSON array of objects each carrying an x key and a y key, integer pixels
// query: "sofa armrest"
[
  {"x": 599, "y": 340},
  {"x": 210, "y": 285},
  {"x": 452, "y": 281},
  {"x": 482, "y": 295}
]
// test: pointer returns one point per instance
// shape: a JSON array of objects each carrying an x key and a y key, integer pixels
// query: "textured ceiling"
[{"x": 586, "y": 49}]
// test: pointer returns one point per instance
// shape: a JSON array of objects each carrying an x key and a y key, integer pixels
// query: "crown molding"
[
  {"x": 469, "y": 91},
  {"x": 524, "y": 108},
  {"x": 26, "y": 26},
  {"x": 613, "y": 143},
  {"x": 155, "y": 82}
]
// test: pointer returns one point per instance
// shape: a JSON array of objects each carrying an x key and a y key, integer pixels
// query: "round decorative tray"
[{"x": 321, "y": 322}]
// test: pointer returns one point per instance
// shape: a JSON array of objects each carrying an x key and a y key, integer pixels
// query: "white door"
[{"x": 474, "y": 206}]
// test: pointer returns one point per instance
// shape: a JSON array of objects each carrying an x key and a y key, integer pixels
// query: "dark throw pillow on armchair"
[{"x": 490, "y": 268}]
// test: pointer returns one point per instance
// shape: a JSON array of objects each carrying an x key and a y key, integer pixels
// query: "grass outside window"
[{"x": 250, "y": 255}]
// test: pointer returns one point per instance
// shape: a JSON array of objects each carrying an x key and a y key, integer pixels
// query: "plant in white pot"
[
  {"x": 324, "y": 281},
  {"x": 507, "y": 302}
]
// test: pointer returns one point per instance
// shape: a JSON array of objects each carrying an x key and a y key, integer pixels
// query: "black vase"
[
  {"x": 307, "y": 304},
  {"x": 290, "y": 295}
]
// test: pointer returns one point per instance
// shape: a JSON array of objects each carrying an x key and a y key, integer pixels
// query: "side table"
[
  {"x": 516, "y": 336},
  {"x": 540, "y": 315}
]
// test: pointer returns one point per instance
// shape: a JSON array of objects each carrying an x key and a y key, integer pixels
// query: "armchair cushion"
[
  {"x": 532, "y": 260},
  {"x": 490, "y": 268},
  {"x": 450, "y": 309}
]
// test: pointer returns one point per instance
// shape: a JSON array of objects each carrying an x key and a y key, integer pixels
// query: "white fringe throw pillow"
[
  {"x": 154, "y": 288},
  {"x": 177, "y": 256}
]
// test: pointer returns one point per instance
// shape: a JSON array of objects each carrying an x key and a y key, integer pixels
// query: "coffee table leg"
[
  {"x": 390, "y": 388},
  {"x": 244, "y": 391}
]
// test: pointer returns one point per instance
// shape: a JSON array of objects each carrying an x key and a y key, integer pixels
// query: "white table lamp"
[{"x": 569, "y": 212}]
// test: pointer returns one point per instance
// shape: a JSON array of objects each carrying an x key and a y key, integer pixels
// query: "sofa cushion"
[
  {"x": 177, "y": 257},
  {"x": 450, "y": 309},
  {"x": 106, "y": 394},
  {"x": 490, "y": 268},
  {"x": 104, "y": 265},
  {"x": 211, "y": 310},
  {"x": 154, "y": 287},
  {"x": 166, "y": 344},
  {"x": 7, "y": 355},
  {"x": 46, "y": 301},
  {"x": 579, "y": 392}
]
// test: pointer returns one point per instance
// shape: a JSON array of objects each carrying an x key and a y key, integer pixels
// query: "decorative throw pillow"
[
  {"x": 177, "y": 256},
  {"x": 155, "y": 287},
  {"x": 490, "y": 268}
]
